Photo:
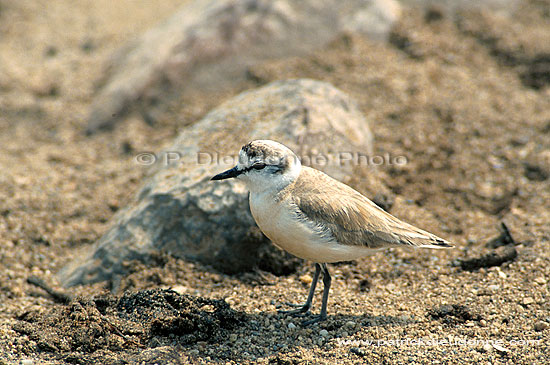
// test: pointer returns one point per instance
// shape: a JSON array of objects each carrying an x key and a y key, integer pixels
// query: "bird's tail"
[
  {"x": 412, "y": 236},
  {"x": 437, "y": 243}
]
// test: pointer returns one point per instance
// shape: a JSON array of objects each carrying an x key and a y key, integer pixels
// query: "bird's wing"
[{"x": 351, "y": 218}]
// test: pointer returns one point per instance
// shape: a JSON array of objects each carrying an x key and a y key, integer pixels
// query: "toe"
[{"x": 314, "y": 320}]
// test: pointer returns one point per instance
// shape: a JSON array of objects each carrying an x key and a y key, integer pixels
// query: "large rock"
[
  {"x": 502, "y": 6},
  {"x": 180, "y": 211},
  {"x": 209, "y": 44}
]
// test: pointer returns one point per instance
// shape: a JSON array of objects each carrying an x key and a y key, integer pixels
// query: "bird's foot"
[
  {"x": 316, "y": 319},
  {"x": 300, "y": 311},
  {"x": 294, "y": 305}
]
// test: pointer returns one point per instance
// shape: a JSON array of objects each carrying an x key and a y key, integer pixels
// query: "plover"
[{"x": 315, "y": 217}]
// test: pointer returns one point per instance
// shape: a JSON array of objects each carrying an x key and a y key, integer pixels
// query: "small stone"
[
  {"x": 493, "y": 287},
  {"x": 345, "y": 334},
  {"x": 541, "y": 326},
  {"x": 194, "y": 352},
  {"x": 357, "y": 351},
  {"x": 232, "y": 337},
  {"x": 27, "y": 362},
  {"x": 540, "y": 280},
  {"x": 502, "y": 275},
  {"x": 291, "y": 326},
  {"x": 324, "y": 333},
  {"x": 470, "y": 324},
  {"x": 487, "y": 347},
  {"x": 180, "y": 289},
  {"x": 306, "y": 279},
  {"x": 500, "y": 348},
  {"x": 528, "y": 300},
  {"x": 350, "y": 324},
  {"x": 404, "y": 318}
]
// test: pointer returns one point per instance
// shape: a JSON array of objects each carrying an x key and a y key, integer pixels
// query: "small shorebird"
[{"x": 312, "y": 216}]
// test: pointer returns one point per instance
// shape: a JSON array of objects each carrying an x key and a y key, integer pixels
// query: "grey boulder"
[
  {"x": 209, "y": 44},
  {"x": 181, "y": 212}
]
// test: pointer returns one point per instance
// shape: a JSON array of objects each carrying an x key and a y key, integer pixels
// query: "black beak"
[{"x": 228, "y": 174}]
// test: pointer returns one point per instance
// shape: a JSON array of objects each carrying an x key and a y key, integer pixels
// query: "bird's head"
[{"x": 264, "y": 164}]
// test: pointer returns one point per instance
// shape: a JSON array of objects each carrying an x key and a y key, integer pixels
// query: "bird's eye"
[{"x": 258, "y": 166}]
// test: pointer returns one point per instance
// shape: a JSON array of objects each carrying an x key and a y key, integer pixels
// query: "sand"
[{"x": 463, "y": 98}]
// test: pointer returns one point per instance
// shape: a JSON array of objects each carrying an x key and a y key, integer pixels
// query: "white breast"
[{"x": 278, "y": 221}]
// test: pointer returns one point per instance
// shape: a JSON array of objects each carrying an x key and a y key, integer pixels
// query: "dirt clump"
[{"x": 133, "y": 321}]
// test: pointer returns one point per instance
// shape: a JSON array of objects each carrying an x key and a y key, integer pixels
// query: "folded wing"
[{"x": 351, "y": 218}]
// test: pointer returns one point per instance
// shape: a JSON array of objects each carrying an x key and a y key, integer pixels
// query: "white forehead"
[
  {"x": 274, "y": 145},
  {"x": 242, "y": 156},
  {"x": 264, "y": 149}
]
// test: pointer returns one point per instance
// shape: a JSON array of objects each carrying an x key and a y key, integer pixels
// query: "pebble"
[
  {"x": 27, "y": 362},
  {"x": 357, "y": 351},
  {"x": 493, "y": 287},
  {"x": 528, "y": 300},
  {"x": 323, "y": 333},
  {"x": 540, "y": 280},
  {"x": 291, "y": 326},
  {"x": 180, "y": 289},
  {"x": 541, "y": 326},
  {"x": 500, "y": 348},
  {"x": 350, "y": 324},
  {"x": 306, "y": 279},
  {"x": 194, "y": 352},
  {"x": 404, "y": 318},
  {"x": 487, "y": 347}
]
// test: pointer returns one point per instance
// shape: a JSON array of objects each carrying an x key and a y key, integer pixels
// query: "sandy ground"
[{"x": 465, "y": 99}]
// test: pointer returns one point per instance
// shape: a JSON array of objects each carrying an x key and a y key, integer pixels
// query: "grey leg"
[
  {"x": 302, "y": 309},
  {"x": 326, "y": 283}
]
